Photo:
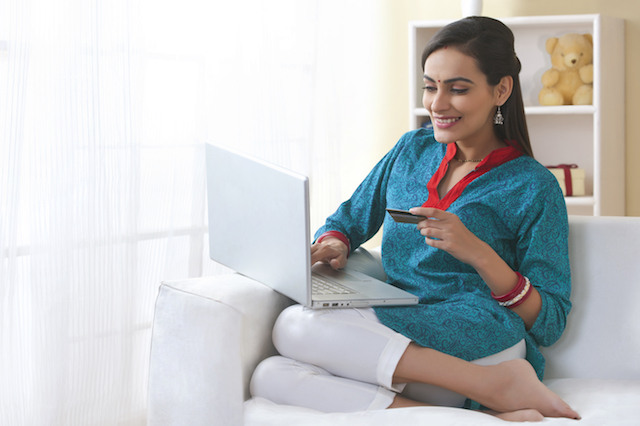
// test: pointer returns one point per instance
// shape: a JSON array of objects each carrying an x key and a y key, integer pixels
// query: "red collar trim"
[{"x": 494, "y": 159}]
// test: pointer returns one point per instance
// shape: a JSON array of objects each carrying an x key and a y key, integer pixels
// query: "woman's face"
[{"x": 458, "y": 98}]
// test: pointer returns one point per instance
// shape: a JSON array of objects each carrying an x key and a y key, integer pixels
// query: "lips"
[
  {"x": 447, "y": 120},
  {"x": 444, "y": 122}
]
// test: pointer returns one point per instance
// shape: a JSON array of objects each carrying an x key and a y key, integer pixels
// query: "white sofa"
[{"x": 210, "y": 333}]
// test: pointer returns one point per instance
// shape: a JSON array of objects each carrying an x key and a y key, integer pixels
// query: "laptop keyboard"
[{"x": 322, "y": 286}]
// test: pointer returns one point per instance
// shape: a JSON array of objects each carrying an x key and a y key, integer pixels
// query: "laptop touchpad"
[{"x": 341, "y": 276}]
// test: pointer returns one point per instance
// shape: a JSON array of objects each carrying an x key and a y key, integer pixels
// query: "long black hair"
[{"x": 491, "y": 44}]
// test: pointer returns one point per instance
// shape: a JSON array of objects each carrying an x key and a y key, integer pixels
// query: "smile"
[
  {"x": 447, "y": 120},
  {"x": 446, "y": 123}
]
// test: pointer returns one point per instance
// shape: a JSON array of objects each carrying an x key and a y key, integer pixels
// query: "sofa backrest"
[{"x": 602, "y": 338}]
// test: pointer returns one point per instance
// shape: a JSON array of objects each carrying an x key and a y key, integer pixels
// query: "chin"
[{"x": 444, "y": 137}]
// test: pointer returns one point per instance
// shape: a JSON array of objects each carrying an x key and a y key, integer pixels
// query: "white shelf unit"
[{"x": 592, "y": 136}]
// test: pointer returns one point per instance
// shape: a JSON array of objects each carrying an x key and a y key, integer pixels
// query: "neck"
[
  {"x": 468, "y": 160},
  {"x": 475, "y": 153}
]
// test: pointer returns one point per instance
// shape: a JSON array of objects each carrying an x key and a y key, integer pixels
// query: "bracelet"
[
  {"x": 520, "y": 298},
  {"x": 339, "y": 235},
  {"x": 513, "y": 293},
  {"x": 517, "y": 296}
]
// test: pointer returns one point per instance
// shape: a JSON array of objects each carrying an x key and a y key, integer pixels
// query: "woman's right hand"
[{"x": 331, "y": 251}]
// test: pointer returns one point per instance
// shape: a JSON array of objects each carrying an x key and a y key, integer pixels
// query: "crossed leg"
[
  {"x": 511, "y": 387},
  {"x": 353, "y": 345}
]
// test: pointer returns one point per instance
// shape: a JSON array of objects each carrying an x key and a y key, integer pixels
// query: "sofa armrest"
[
  {"x": 602, "y": 338},
  {"x": 208, "y": 336}
]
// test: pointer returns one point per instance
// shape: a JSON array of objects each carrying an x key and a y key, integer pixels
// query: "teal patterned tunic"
[{"x": 516, "y": 207}]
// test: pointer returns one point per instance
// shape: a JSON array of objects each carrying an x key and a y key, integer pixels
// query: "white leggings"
[{"x": 343, "y": 360}]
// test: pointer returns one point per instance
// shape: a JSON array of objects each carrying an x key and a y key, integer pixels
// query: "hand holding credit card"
[{"x": 405, "y": 216}]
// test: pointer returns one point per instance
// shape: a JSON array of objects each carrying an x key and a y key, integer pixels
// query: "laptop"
[{"x": 259, "y": 227}]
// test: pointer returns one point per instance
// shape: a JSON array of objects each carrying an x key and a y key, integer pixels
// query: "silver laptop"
[{"x": 259, "y": 227}]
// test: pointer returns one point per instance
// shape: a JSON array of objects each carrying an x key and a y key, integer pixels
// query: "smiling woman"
[
  {"x": 498, "y": 72},
  {"x": 461, "y": 102},
  {"x": 489, "y": 261},
  {"x": 462, "y": 106}
]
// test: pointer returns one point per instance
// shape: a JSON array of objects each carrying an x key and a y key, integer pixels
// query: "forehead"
[{"x": 449, "y": 62}]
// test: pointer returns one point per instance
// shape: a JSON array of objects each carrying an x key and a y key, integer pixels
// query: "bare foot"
[
  {"x": 529, "y": 415},
  {"x": 514, "y": 386},
  {"x": 506, "y": 387}
]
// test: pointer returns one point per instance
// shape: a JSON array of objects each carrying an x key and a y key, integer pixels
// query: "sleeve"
[
  {"x": 543, "y": 253},
  {"x": 361, "y": 216}
]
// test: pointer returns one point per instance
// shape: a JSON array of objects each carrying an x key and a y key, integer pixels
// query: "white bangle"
[{"x": 519, "y": 297}]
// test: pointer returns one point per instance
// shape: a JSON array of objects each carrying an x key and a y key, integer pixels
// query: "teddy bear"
[{"x": 570, "y": 80}]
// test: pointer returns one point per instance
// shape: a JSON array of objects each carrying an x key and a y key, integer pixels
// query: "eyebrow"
[{"x": 451, "y": 80}]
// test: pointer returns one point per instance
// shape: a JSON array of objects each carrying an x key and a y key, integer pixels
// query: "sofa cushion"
[{"x": 599, "y": 402}]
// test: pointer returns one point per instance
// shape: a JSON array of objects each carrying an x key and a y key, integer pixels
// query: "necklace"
[{"x": 469, "y": 161}]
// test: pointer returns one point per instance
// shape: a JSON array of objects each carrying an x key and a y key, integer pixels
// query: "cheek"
[{"x": 471, "y": 105}]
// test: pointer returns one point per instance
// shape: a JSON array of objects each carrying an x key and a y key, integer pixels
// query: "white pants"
[{"x": 343, "y": 360}]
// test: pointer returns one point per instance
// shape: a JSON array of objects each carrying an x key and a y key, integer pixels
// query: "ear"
[
  {"x": 551, "y": 44},
  {"x": 503, "y": 89},
  {"x": 589, "y": 37}
]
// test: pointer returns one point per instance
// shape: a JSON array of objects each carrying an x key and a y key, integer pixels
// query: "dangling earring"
[{"x": 498, "y": 118}]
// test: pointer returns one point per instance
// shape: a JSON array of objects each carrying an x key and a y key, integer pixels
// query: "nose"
[
  {"x": 571, "y": 60},
  {"x": 438, "y": 101}
]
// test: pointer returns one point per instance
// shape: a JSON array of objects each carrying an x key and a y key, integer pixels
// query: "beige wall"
[{"x": 394, "y": 84}]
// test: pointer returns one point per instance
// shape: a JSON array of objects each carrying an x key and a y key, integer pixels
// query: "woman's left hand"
[
  {"x": 456, "y": 239},
  {"x": 445, "y": 231}
]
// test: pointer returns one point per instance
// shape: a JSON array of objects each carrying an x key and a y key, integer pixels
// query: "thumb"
[{"x": 338, "y": 262}]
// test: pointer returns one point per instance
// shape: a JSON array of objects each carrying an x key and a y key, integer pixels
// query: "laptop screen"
[{"x": 259, "y": 221}]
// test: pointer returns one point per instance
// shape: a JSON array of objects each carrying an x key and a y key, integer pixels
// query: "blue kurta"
[{"x": 517, "y": 208}]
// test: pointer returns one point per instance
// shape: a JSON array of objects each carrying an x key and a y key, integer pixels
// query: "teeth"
[{"x": 447, "y": 121}]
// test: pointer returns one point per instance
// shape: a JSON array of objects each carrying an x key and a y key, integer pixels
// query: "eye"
[
  {"x": 429, "y": 89},
  {"x": 459, "y": 91}
]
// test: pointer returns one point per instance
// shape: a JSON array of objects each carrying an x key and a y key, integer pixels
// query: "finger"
[
  {"x": 317, "y": 254},
  {"x": 430, "y": 223},
  {"x": 430, "y": 212},
  {"x": 338, "y": 262},
  {"x": 322, "y": 257},
  {"x": 435, "y": 243},
  {"x": 324, "y": 253},
  {"x": 432, "y": 233}
]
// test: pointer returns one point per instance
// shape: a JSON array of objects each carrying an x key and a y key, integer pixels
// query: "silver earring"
[{"x": 498, "y": 118}]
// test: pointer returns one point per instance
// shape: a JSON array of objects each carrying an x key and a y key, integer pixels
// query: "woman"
[{"x": 489, "y": 263}]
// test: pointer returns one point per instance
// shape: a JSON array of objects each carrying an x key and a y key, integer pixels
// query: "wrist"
[
  {"x": 517, "y": 296},
  {"x": 338, "y": 235},
  {"x": 495, "y": 272},
  {"x": 485, "y": 259}
]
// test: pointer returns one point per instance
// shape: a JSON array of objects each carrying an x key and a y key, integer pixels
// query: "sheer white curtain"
[{"x": 104, "y": 108}]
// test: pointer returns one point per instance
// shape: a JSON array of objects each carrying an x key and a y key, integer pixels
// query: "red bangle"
[
  {"x": 521, "y": 301},
  {"x": 517, "y": 296},
  {"x": 513, "y": 293},
  {"x": 339, "y": 235}
]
